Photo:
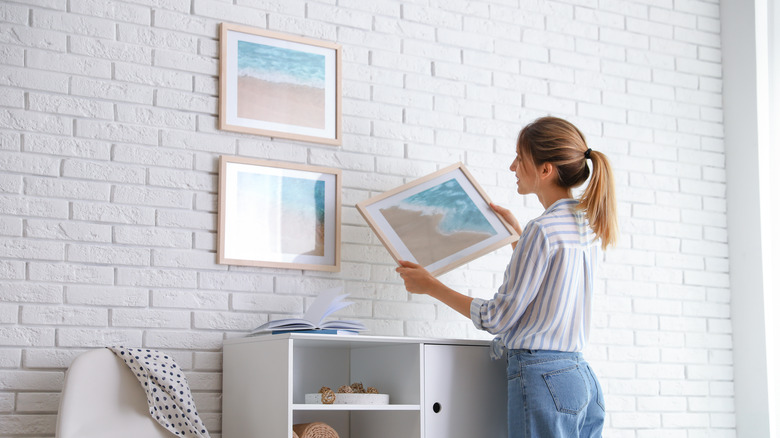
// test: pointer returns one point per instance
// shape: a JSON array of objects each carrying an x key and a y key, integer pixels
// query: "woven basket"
[
  {"x": 295, "y": 435},
  {"x": 314, "y": 430}
]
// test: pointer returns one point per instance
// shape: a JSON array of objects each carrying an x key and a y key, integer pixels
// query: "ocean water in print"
[
  {"x": 282, "y": 213},
  {"x": 276, "y": 64},
  {"x": 454, "y": 204}
]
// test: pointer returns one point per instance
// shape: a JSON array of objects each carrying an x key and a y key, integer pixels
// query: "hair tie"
[{"x": 587, "y": 153}]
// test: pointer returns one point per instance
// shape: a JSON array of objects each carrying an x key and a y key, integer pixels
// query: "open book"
[{"x": 327, "y": 302}]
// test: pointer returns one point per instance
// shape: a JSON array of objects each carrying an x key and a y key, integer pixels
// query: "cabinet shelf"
[
  {"x": 313, "y": 407},
  {"x": 266, "y": 378}
]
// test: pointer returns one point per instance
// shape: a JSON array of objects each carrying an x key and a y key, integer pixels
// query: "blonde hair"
[{"x": 558, "y": 142}]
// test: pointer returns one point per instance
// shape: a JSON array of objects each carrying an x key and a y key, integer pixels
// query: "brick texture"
[{"x": 108, "y": 182}]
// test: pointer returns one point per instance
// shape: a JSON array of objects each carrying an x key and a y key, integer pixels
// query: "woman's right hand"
[{"x": 416, "y": 279}]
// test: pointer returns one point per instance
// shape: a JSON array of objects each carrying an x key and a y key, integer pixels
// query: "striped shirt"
[{"x": 545, "y": 301}]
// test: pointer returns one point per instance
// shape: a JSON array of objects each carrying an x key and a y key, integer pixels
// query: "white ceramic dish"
[{"x": 350, "y": 399}]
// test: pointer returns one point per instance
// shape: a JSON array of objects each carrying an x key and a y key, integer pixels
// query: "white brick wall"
[{"x": 108, "y": 182}]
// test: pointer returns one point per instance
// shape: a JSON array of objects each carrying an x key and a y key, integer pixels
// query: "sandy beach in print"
[
  {"x": 280, "y": 215},
  {"x": 281, "y": 85},
  {"x": 280, "y": 102},
  {"x": 301, "y": 235},
  {"x": 421, "y": 235}
]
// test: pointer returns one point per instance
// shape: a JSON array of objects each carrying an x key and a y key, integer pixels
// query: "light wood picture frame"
[
  {"x": 279, "y": 85},
  {"x": 440, "y": 221},
  {"x": 279, "y": 215}
]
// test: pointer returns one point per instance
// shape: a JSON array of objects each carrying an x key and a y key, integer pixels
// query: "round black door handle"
[{"x": 436, "y": 407}]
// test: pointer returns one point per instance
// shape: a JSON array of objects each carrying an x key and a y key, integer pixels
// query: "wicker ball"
[
  {"x": 345, "y": 389},
  {"x": 328, "y": 396}
]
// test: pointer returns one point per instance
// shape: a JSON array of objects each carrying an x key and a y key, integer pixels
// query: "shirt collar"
[{"x": 561, "y": 204}]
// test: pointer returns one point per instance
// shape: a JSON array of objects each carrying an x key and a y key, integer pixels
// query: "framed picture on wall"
[
  {"x": 279, "y": 215},
  {"x": 279, "y": 85},
  {"x": 440, "y": 221}
]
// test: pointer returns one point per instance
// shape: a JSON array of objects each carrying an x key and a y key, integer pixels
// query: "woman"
[{"x": 541, "y": 313}]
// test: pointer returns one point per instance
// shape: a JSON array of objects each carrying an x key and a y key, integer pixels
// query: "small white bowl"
[{"x": 350, "y": 399}]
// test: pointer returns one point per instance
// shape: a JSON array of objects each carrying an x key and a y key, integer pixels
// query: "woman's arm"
[{"x": 419, "y": 281}]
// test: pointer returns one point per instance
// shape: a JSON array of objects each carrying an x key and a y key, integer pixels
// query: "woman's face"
[{"x": 527, "y": 179}]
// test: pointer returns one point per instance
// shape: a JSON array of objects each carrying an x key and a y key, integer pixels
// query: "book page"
[{"x": 327, "y": 302}]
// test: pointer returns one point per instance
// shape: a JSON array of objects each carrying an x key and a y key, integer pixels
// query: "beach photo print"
[
  {"x": 279, "y": 215},
  {"x": 279, "y": 85},
  {"x": 440, "y": 221}
]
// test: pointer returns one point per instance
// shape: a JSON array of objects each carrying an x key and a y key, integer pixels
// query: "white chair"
[{"x": 101, "y": 397}]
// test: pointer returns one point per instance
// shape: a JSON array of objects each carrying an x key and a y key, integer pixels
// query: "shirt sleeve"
[{"x": 522, "y": 280}]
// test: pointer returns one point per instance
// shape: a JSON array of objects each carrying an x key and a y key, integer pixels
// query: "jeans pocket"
[
  {"x": 568, "y": 388},
  {"x": 513, "y": 367}
]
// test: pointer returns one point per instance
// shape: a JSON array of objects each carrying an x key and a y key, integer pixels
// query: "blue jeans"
[{"x": 552, "y": 394}]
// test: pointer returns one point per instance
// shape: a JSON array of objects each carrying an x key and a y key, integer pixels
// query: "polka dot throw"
[{"x": 167, "y": 391}]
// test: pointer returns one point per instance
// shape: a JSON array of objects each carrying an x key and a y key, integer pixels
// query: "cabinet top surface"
[{"x": 351, "y": 340}]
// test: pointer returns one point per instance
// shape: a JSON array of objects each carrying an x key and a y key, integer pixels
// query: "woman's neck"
[{"x": 552, "y": 194}]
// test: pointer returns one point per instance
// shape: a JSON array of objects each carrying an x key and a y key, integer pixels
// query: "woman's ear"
[{"x": 546, "y": 170}]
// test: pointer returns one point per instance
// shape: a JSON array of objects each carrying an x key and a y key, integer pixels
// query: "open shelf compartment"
[{"x": 393, "y": 369}]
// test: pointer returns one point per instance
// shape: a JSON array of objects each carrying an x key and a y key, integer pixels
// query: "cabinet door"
[{"x": 465, "y": 392}]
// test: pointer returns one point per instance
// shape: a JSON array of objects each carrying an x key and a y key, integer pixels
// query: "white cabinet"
[
  {"x": 465, "y": 392},
  {"x": 265, "y": 379}
]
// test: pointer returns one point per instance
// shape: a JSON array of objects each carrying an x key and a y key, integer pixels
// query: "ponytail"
[
  {"x": 598, "y": 201},
  {"x": 554, "y": 140}
]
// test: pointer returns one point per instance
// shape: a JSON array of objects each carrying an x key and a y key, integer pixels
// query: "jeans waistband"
[{"x": 526, "y": 354}]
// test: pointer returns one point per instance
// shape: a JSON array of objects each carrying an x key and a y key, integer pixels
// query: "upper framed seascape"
[
  {"x": 279, "y": 215},
  {"x": 279, "y": 85},
  {"x": 440, "y": 221}
]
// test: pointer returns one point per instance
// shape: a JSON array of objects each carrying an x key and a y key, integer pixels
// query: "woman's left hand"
[
  {"x": 416, "y": 278},
  {"x": 508, "y": 217}
]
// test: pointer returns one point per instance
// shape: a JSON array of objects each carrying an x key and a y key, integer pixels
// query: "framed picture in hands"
[{"x": 440, "y": 221}]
